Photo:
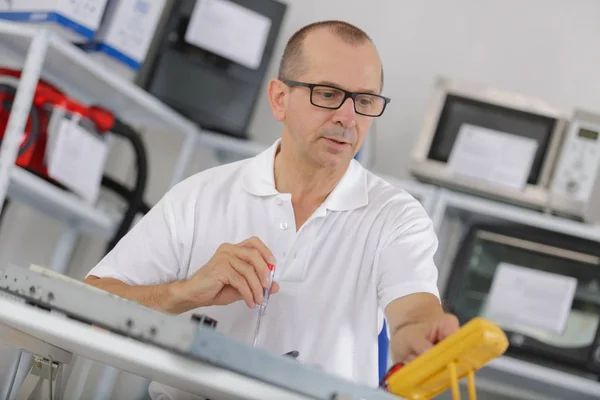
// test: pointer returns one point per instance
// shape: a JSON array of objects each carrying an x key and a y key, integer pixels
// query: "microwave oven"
[
  {"x": 210, "y": 59},
  {"x": 487, "y": 247},
  {"x": 561, "y": 175}
]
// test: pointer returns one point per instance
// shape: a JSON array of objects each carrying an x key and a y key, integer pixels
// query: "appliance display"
[
  {"x": 211, "y": 59},
  {"x": 574, "y": 348}
]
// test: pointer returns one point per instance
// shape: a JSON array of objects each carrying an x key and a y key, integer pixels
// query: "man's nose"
[{"x": 345, "y": 115}]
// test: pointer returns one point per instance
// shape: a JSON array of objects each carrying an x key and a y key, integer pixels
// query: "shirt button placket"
[{"x": 284, "y": 234}]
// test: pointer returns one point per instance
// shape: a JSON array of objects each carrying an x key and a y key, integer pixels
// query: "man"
[{"x": 346, "y": 244}]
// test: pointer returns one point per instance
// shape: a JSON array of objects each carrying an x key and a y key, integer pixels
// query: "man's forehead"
[
  {"x": 326, "y": 40},
  {"x": 346, "y": 72},
  {"x": 328, "y": 58}
]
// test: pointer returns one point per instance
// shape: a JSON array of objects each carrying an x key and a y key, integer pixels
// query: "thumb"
[
  {"x": 275, "y": 288},
  {"x": 446, "y": 326}
]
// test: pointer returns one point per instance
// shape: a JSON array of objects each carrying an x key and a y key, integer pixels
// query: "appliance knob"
[
  {"x": 517, "y": 340},
  {"x": 572, "y": 186}
]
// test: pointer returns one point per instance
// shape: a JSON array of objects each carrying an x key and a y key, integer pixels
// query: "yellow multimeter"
[{"x": 458, "y": 356}]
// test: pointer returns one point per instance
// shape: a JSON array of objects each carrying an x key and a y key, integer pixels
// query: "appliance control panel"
[{"x": 577, "y": 167}]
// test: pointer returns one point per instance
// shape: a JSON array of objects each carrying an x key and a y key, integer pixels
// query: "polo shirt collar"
[{"x": 349, "y": 194}]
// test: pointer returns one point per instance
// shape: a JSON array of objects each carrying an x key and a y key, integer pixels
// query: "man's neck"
[{"x": 307, "y": 184}]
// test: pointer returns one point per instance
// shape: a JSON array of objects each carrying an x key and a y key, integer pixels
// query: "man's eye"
[{"x": 327, "y": 95}]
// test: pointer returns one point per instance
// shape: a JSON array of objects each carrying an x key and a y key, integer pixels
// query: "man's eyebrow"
[{"x": 329, "y": 83}]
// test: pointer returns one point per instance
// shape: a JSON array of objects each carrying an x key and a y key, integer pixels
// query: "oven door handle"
[{"x": 539, "y": 247}]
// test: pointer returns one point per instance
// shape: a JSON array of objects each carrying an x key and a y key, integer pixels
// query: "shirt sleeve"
[
  {"x": 406, "y": 260},
  {"x": 150, "y": 253}
]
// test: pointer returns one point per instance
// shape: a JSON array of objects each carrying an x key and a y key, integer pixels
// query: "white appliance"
[{"x": 512, "y": 148}]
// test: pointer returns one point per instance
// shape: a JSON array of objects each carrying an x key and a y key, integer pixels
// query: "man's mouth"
[{"x": 337, "y": 141}]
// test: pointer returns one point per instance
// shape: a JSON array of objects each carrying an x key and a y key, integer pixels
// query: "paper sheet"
[
  {"x": 229, "y": 30},
  {"x": 496, "y": 157},
  {"x": 528, "y": 297},
  {"x": 77, "y": 160},
  {"x": 580, "y": 331}
]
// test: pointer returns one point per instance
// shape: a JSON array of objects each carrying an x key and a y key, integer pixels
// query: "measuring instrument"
[{"x": 442, "y": 367}]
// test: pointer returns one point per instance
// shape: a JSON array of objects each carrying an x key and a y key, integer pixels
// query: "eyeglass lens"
[{"x": 328, "y": 97}]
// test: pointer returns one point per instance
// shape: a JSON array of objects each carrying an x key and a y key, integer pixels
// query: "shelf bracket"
[{"x": 42, "y": 381}]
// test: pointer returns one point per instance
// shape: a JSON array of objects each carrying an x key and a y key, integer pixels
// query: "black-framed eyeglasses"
[{"x": 331, "y": 97}]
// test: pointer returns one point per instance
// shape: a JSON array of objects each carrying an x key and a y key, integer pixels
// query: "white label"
[
  {"x": 77, "y": 160},
  {"x": 498, "y": 158},
  {"x": 130, "y": 26},
  {"x": 530, "y": 298},
  {"x": 85, "y": 12},
  {"x": 229, "y": 30}
]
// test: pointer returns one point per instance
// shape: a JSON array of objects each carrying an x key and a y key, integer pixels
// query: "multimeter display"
[{"x": 588, "y": 134}]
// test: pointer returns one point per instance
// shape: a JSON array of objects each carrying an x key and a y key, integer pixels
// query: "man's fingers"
[
  {"x": 414, "y": 343},
  {"x": 264, "y": 251},
  {"x": 237, "y": 281},
  {"x": 411, "y": 343},
  {"x": 447, "y": 326},
  {"x": 419, "y": 344},
  {"x": 409, "y": 358},
  {"x": 249, "y": 274},
  {"x": 254, "y": 258}
]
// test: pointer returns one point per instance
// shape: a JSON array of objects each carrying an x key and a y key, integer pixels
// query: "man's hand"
[
  {"x": 414, "y": 339},
  {"x": 417, "y": 322},
  {"x": 235, "y": 272}
]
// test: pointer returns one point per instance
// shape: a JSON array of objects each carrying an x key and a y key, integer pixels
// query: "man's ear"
[{"x": 276, "y": 92}]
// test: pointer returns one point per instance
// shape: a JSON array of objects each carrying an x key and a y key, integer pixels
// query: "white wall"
[{"x": 545, "y": 48}]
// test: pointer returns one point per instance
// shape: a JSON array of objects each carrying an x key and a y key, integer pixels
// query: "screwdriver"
[{"x": 262, "y": 308}]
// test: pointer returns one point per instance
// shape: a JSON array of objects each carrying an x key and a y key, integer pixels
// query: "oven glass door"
[{"x": 473, "y": 273}]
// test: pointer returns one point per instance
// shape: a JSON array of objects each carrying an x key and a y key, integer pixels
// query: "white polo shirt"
[{"x": 368, "y": 244}]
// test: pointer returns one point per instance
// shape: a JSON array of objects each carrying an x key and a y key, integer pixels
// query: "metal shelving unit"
[
  {"x": 453, "y": 208},
  {"x": 71, "y": 69},
  {"x": 26, "y": 188},
  {"x": 43, "y": 53},
  {"x": 460, "y": 202}
]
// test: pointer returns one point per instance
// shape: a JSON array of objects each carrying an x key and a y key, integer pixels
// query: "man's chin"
[{"x": 335, "y": 160}]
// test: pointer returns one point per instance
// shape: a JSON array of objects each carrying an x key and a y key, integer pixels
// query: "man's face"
[{"x": 325, "y": 137}]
